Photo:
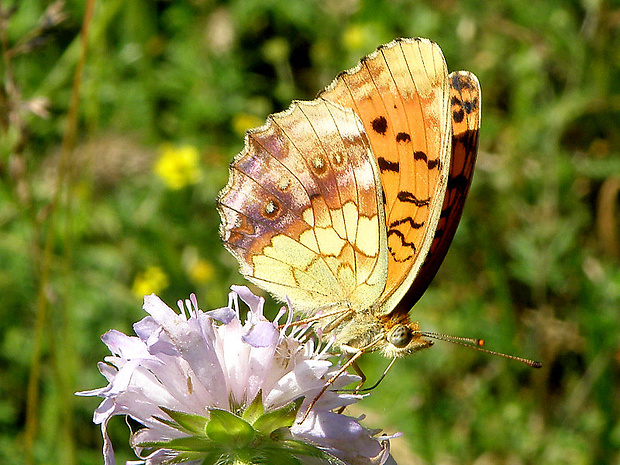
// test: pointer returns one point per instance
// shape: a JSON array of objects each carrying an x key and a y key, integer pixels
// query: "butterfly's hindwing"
[{"x": 301, "y": 211}]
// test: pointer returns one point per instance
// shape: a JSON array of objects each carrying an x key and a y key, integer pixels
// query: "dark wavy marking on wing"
[
  {"x": 404, "y": 243},
  {"x": 407, "y": 220},
  {"x": 405, "y": 196}
]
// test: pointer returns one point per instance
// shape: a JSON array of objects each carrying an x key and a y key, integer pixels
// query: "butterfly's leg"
[
  {"x": 361, "y": 374},
  {"x": 340, "y": 318},
  {"x": 331, "y": 380},
  {"x": 358, "y": 370},
  {"x": 355, "y": 365}
]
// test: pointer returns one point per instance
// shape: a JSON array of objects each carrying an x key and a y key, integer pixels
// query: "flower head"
[
  {"x": 201, "y": 271},
  {"x": 151, "y": 280},
  {"x": 178, "y": 166},
  {"x": 209, "y": 388}
]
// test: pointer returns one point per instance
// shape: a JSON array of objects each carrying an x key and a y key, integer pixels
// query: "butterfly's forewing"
[
  {"x": 302, "y": 213},
  {"x": 465, "y": 115},
  {"x": 400, "y": 92}
]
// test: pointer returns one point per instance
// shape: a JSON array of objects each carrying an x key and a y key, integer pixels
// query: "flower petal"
[{"x": 261, "y": 334}]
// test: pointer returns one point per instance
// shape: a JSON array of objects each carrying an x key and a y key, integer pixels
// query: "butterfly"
[{"x": 346, "y": 205}]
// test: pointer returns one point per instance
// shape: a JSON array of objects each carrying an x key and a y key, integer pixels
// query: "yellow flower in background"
[
  {"x": 276, "y": 50},
  {"x": 354, "y": 37},
  {"x": 242, "y": 122},
  {"x": 151, "y": 281},
  {"x": 201, "y": 271},
  {"x": 178, "y": 166}
]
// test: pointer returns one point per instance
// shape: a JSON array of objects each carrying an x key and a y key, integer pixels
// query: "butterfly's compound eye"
[{"x": 399, "y": 336}]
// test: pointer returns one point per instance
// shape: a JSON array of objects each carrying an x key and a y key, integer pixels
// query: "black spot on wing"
[
  {"x": 458, "y": 115},
  {"x": 470, "y": 105},
  {"x": 403, "y": 137},
  {"x": 446, "y": 212},
  {"x": 458, "y": 182},
  {"x": 419, "y": 155},
  {"x": 271, "y": 209},
  {"x": 386, "y": 165},
  {"x": 460, "y": 84},
  {"x": 379, "y": 125}
]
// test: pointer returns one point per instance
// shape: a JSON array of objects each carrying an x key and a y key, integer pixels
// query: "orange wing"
[
  {"x": 465, "y": 101},
  {"x": 401, "y": 94}
]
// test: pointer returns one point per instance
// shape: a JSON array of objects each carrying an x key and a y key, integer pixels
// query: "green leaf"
[
  {"x": 190, "y": 443},
  {"x": 297, "y": 447},
  {"x": 224, "y": 427},
  {"x": 208, "y": 457},
  {"x": 280, "y": 457},
  {"x": 282, "y": 417},
  {"x": 189, "y": 423},
  {"x": 254, "y": 410},
  {"x": 171, "y": 423},
  {"x": 280, "y": 434}
]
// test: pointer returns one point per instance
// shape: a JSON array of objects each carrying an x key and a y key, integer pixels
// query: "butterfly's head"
[
  {"x": 402, "y": 337},
  {"x": 393, "y": 335}
]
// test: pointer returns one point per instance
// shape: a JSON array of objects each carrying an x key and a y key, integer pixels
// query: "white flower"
[{"x": 209, "y": 388}]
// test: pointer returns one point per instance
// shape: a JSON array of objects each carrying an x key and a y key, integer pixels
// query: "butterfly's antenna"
[
  {"x": 443, "y": 337},
  {"x": 477, "y": 344}
]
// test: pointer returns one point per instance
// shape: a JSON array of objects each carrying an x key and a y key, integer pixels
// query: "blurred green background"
[{"x": 127, "y": 207}]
